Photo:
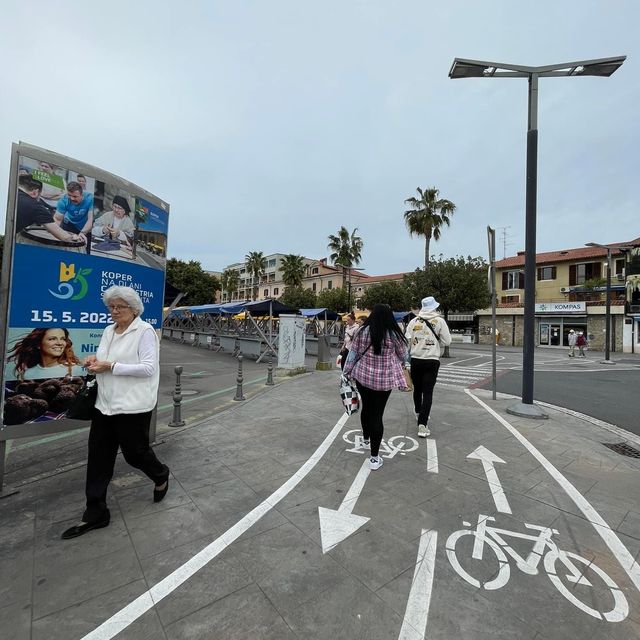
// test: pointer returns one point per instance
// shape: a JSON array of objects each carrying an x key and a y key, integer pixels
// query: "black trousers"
[
  {"x": 373, "y": 404},
  {"x": 129, "y": 432},
  {"x": 343, "y": 357},
  {"x": 424, "y": 374}
]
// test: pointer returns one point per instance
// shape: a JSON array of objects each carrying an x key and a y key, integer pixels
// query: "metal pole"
[
  {"x": 492, "y": 287},
  {"x": 526, "y": 408},
  {"x": 270, "y": 371},
  {"x": 177, "y": 420},
  {"x": 239, "y": 396},
  {"x": 607, "y": 322}
]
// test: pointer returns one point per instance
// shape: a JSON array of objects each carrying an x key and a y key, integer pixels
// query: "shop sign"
[{"x": 561, "y": 307}]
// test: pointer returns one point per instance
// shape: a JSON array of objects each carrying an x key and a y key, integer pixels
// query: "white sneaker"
[
  {"x": 375, "y": 462},
  {"x": 423, "y": 431}
]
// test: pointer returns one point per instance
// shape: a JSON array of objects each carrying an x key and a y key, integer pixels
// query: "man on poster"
[
  {"x": 31, "y": 210},
  {"x": 75, "y": 212}
]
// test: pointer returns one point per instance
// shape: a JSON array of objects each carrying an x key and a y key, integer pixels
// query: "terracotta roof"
[
  {"x": 567, "y": 255},
  {"x": 389, "y": 276}
]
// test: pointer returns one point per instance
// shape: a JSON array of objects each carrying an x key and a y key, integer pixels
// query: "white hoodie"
[{"x": 422, "y": 343}]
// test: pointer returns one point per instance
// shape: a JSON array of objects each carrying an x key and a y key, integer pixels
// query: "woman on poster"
[
  {"x": 115, "y": 224},
  {"x": 45, "y": 353}
]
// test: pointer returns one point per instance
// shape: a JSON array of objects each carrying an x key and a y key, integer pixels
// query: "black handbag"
[{"x": 84, "y": 404}]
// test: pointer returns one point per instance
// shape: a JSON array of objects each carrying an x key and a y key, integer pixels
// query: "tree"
[
  {"x": 230, "y": 281},
  {"x": 395, "y": 294},
  {"x": 293, "y": 270},
  {"x": 334, "y": 299},
  {"x": 299, "y": 298},
  {"x": 346, "y": 250},
  {"x": 256, "y": 264},
  {"x": 427, "y": 215},
  {"x": 458, "y": 284},
  {"x": 189, "y": 277}
]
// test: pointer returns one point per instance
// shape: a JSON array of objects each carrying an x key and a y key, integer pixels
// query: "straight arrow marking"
[
  {"x": 414, "y": 625},
  {"x": 336, "y": 526},
  {"x": 488, "y": 458}
]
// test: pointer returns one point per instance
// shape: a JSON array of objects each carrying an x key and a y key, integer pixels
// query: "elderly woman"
[
  {"x": 126, "y": 367},
  {"x": 115, "y": 224}
]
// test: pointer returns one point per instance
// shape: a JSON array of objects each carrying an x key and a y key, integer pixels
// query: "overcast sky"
[{"x": 268, "y": 125}]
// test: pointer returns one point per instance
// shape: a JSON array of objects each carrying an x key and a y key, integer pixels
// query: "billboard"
[{"x": 72, "y": 231}]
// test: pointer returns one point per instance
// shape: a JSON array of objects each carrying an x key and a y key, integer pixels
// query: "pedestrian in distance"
[
  {"x": 582, "y": 344},
  {"x": 127, "y": 371},
  {"x": 426, "y": 334},
  {"x": 375, "y": 361},
  {"x": 572, "y": 338},
  {"x": 349, "y": 333}
]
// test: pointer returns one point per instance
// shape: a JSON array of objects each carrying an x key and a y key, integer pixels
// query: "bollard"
[
  {"x": 270, "y": 370},
  {"x": 177, "y": 420},
  {"x": 239, "y": 395}
]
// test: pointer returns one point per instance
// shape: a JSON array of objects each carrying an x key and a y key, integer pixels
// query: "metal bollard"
[
  {"x": 177, "y": 420},
  {"x": 239, "y": 395},
  {"x": 270, "y": 370}
]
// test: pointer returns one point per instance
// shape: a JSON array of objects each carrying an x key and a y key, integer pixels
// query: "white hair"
[{"x": 129, "y": 295}]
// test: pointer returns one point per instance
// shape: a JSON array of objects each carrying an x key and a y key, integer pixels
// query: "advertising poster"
[{"x": 75, "y": 234}]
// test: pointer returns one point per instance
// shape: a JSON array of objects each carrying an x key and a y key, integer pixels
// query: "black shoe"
[
  {"x": 84, "y": 527},
  {"x": 158, "y": 495}
]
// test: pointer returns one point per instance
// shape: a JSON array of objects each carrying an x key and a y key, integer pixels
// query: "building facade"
[{"x": 570, "y": 294}]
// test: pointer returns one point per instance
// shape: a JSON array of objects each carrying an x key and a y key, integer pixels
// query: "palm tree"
[
  {"x": 427, "y": 215},
  {"x": 230, "y": 279},
  {"x": 347, "y": 250},
  {"x": 256, "y": 264},
  {"x": 293, "y": 270}
]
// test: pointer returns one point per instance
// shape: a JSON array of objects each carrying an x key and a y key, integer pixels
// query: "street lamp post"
[
  {"x": 463, "y": 68},
  {"x": 607, "y": 321}
]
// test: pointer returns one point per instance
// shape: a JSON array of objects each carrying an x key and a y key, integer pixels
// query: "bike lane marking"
[
  {"x": 614, "y": 543},
  {"x": 129, "y": 614},
  {"x": 488, "y": 458},
  {"x": 414, "y": 624},
  {"x": 432, "y": 456}
]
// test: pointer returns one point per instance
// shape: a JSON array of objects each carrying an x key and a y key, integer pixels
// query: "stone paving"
[{"x": 279, "y": 457}]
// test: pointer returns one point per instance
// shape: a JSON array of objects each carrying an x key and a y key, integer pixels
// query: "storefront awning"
[{"x": 460, "y": 317}]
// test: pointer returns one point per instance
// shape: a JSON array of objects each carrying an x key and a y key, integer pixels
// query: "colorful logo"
[{"x": 72, "y": 286}]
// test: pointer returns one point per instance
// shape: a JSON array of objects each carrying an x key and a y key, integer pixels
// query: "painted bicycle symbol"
[
  {"x": 574, "y": 565},
  {"x": 388, "y": 448}
]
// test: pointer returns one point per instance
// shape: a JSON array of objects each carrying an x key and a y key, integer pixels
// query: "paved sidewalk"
[{"x": 235, "y": 551}]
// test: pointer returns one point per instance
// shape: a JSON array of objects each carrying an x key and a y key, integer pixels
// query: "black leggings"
[
  {"x": 373, "y": 404},
  {"x": 423, "y": 374},
  {"x": 130, "y": 432}
]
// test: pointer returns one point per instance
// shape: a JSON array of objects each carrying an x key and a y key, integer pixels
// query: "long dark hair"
[
  {"x": 380, "y": 324},
  {"x": 26, "y": 352}
]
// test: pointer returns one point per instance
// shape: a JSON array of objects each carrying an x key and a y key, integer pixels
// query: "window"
[
  {"x": 271, "y": 263},
  {"x": 580, "y": 273},
  {"x": 506, "y": 299},
  {"x": 512, "y": 280},
  {"x": 314, "y": 271},
  {"x": 619, "y": 267},
  {"x": 546, "y": 273},
  {"x": 266, "y": 293},
  {"x": 313, "y": 287},
  {"x": 330, "y": 284},
  {"x": 276, "y": 291}
]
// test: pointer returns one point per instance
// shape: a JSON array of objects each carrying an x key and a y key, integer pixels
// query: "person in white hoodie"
[
  {"x": 127, "y": 370},
  {"x": 427, "y": 333}
]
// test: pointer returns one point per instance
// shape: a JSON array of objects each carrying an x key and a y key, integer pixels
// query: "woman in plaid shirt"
[{"x": 375, "y": 362}]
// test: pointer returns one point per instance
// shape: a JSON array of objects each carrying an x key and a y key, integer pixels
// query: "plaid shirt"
[{"x": 380, "y": 372}]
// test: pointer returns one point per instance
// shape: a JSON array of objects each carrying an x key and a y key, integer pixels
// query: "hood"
[{"x": 429, "y": 315}]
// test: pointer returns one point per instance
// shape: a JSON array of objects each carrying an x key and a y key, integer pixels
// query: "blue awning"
[
  {"x": 403, "y": 316},
  {"x": 319, "y": 313}
]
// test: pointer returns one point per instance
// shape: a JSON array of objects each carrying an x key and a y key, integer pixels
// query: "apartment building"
[{"x": 570, "y": 294}]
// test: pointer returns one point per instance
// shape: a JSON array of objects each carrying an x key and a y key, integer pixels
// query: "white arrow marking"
[
  {"x": 414, "y": 625},
  {"x": 488, "y": 458},
  {"x": 336, "y": 526}
]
